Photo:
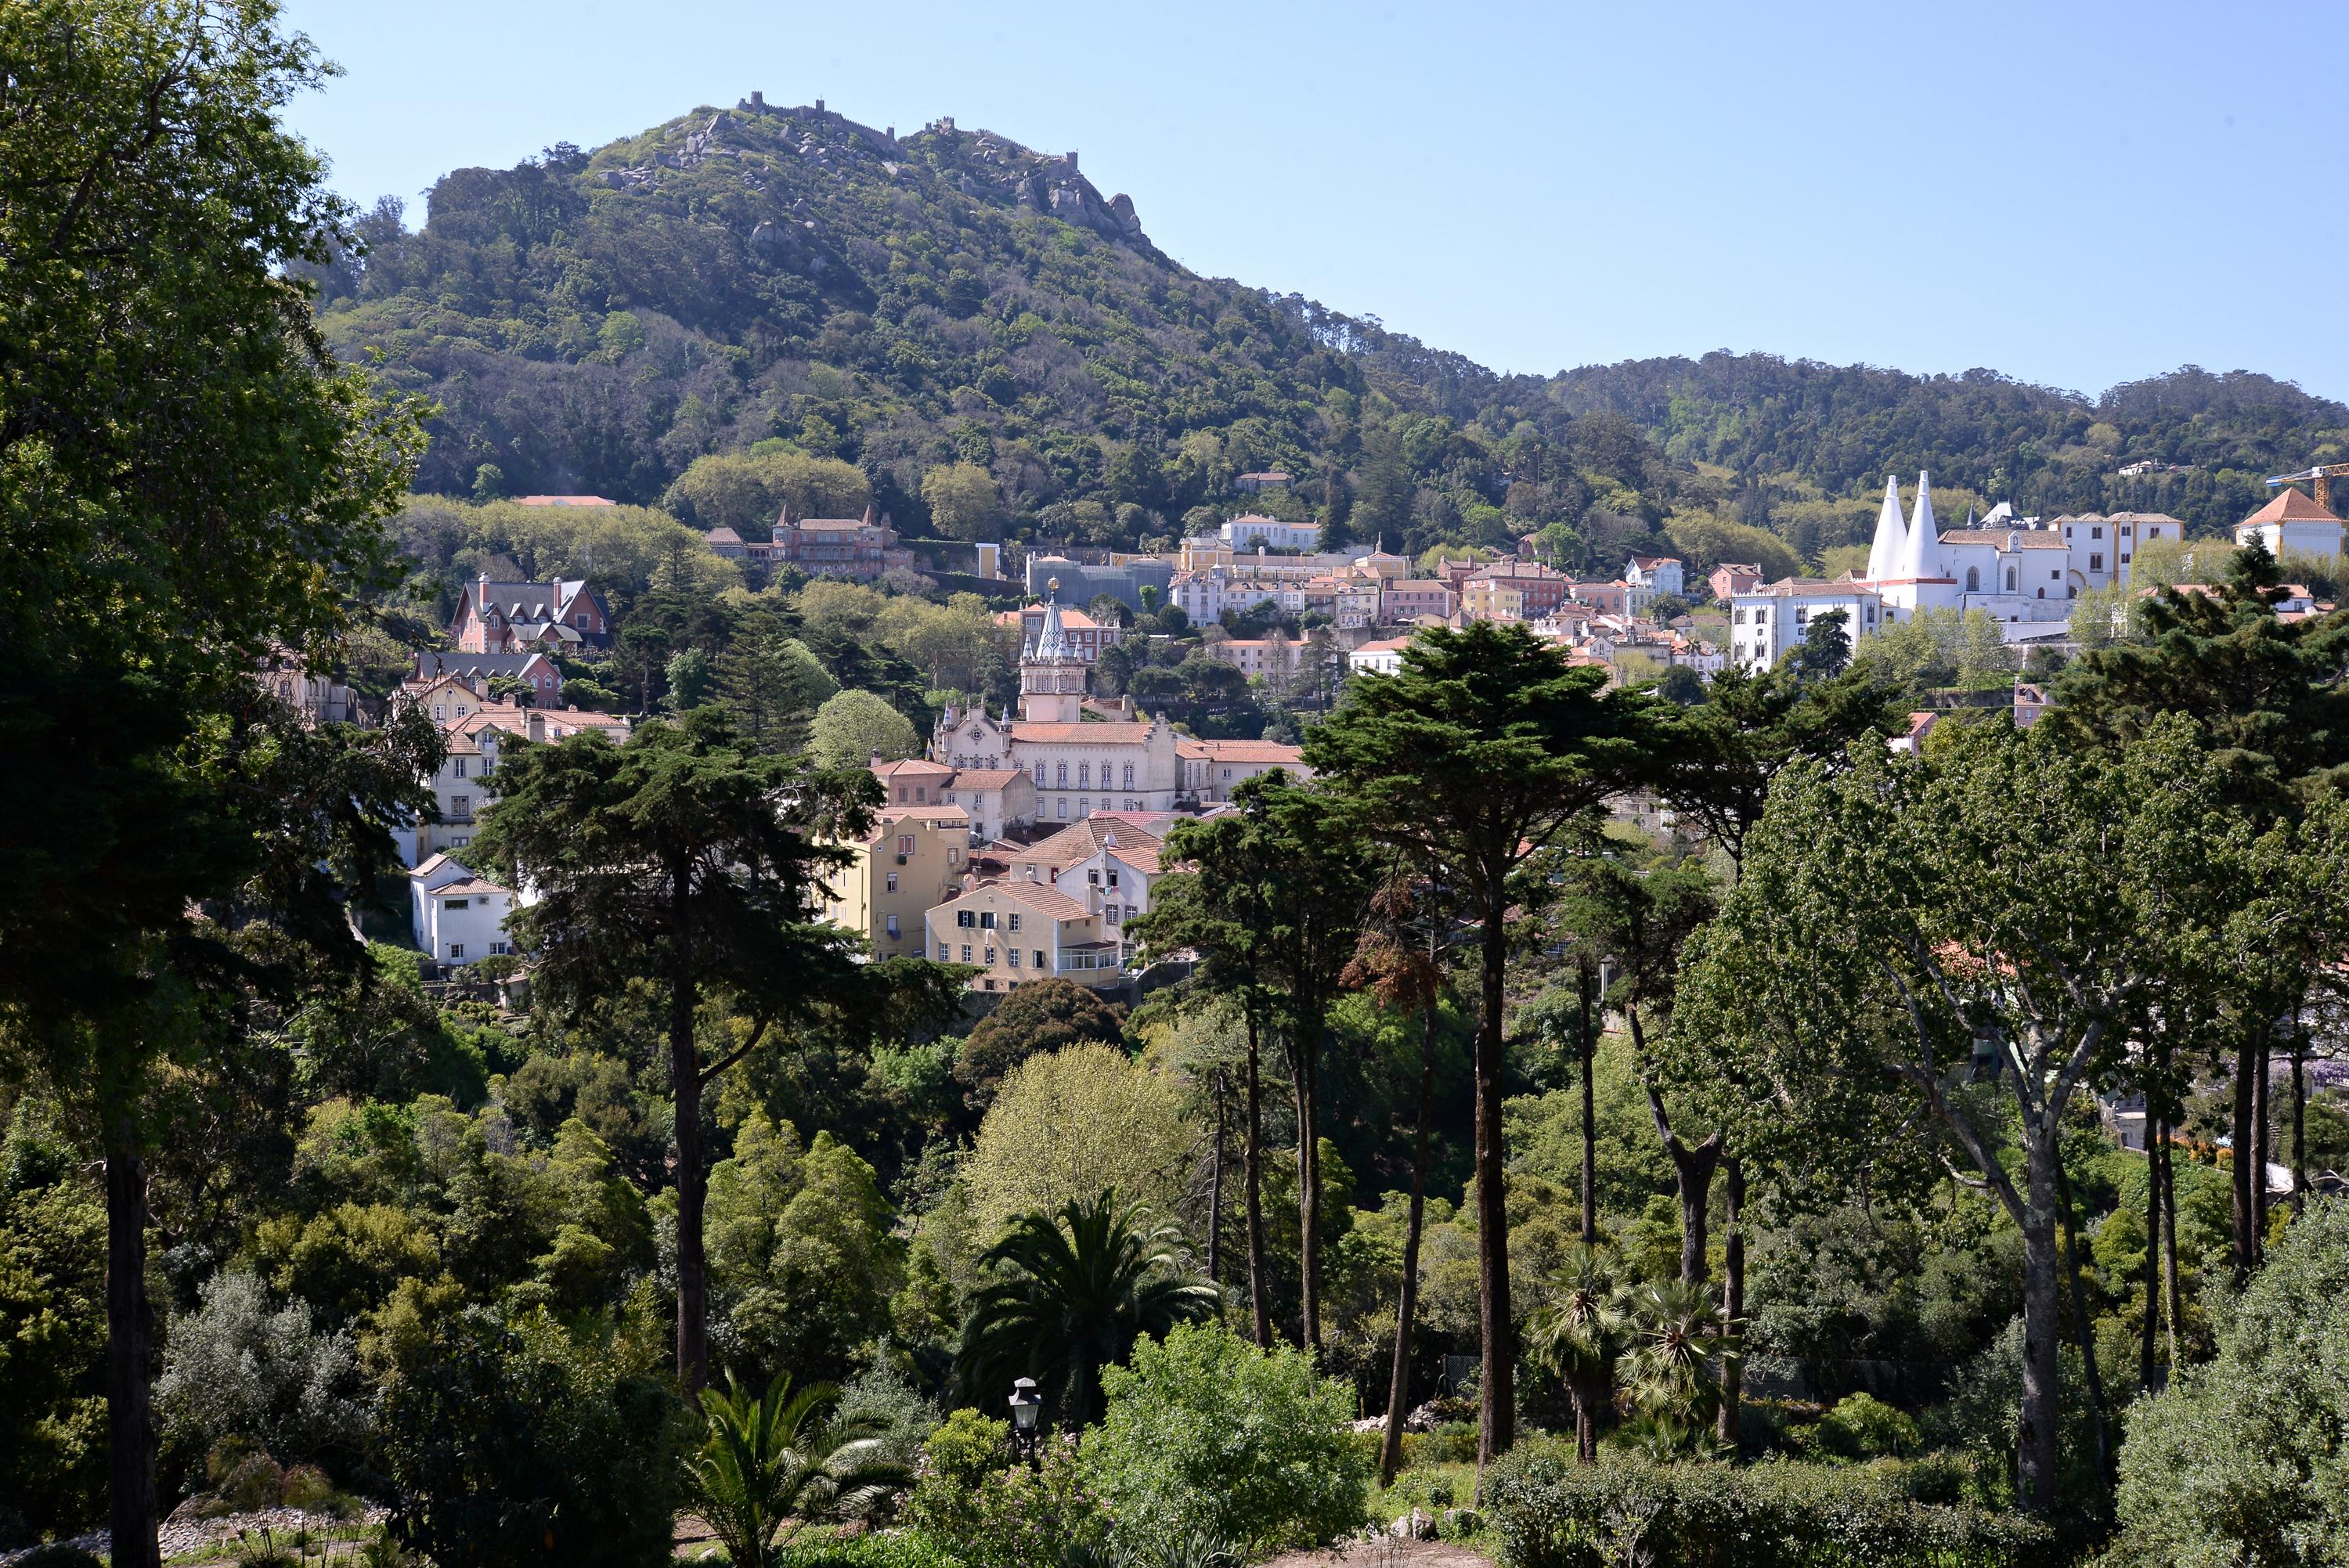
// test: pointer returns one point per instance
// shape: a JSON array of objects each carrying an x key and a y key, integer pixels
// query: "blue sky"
[{"x": 2075, "y": 194}]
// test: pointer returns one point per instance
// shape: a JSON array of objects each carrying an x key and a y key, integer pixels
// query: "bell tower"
[{"x": 1051, "y": 676}]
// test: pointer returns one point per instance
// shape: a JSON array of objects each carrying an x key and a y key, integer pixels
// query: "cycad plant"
[
  {"x": 1679, "y": 1345},
  {"x": 1075, "y": 1290},
  {"x": 1580, "y": 1336},
  {"x": 774, "y": 1462}
]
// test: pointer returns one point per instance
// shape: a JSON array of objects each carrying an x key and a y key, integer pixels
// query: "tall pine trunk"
[
  {"x": 2177, "y": 1314},
  {"x": 2042, "y": 1325},
  {"x": 1216, "y": 1191},
  {"x": 1496, "y": 1425},
  {"x": 2261, "y": 1128},
  {"x": 1585, "y": 984},
  {"x": 2246, "y": 1250},
  {"x": 1252, "y": 1196},
  {"x": 692, "y": 1185},
  {"x": 1407, "y": 1297},
  {"x": 1733, "y": 1298},
  {"x": 2149, "y": 1338},
  {"x": 2085, "y": 1333},
  {"x": 1305, "y": 1068},
  {"x": 2299, "y": 1127},
  {"x": 130, "y": 1356}
]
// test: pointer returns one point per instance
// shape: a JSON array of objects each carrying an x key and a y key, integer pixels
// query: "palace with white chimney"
[{"x": 2021, "y": 572}]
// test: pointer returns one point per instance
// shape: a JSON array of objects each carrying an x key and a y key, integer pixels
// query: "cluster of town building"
[{"x": 1024, "y": 844}]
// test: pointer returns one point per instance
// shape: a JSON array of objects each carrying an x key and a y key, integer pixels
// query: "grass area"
[{"x": 1432, "y": 1489}]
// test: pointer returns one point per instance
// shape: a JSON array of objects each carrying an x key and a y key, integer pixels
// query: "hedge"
[
  {"x": 887, "y": 1549},
  {"x": 1552, "y": 1512}
]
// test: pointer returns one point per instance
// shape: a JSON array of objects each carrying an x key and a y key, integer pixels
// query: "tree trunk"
[
  {"x": 1407, "y": 1297},
  {"x": 2146, "y": 1353},
  {"x": 1732, "y": 1297},
  {"x": 2176, "y": 1316},
  {"x": 1216, "y": 1191},
  {"x": 2299, "y": 1127},
  {"x": 2042, "y": 1327},
  {"x": 1252, "y": 1197},
  {"x": 1584, "y": 986},
  {"x": 1497, "y": 1426},
  {"x": 2246, "y": 1250},
  {"x": 2085, "y": 1332},
  {"x": 692, "y": 1186},
  {"x": 130, "y": 1356},
  {"x": 2261, "y": 1141},
  {"x": 1304, "y": 1067}
]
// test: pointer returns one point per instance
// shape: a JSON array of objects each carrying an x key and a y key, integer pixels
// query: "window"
[
  {"x": 891, "y": 883},
  {"x": 580, "y": 620},
  {"x": 2128, "y": 530},
  {"x": 966, "y": 918},
  {"x": 1037, "y": 954},
  {"x": 954, "y": 855},
  {"x": 945, "y": 953},
  {"x": 500, "y": 947},
  {"x": 2125, "y": 558},
  {"x": 1013, "y": 920},
  {"x": 1085, "y": 775},
  {"x": 461, "y": 840},
  {"x": 1040, "y": 776},
  {"x": 987, "y": 920},
  {"x": 457, "y": 763},
  {"x": 2095, "y": 563},
  {"x": 1011, "y": 955},
  {"x": 1062, "y": 774},
  {"x": 1109, "y": 912},
  {"x": 2010, "y": 579},
  {"x": 1061, "y": 807},
  {"x": 440, "y": 712},
  {"x": 460, "y": 807},
  {"x": 1129, "y": 775},
  {"x": 1113, "y": 876},
  {"x": 966, "y": 953},
  {"x": 455, "y": 903},
  {"x": 456, "y": 950},
  {"x": 2095, "y": 533},
  {"x": 990, "y": 958},
  {"x": 892, "y": 926},
  {"x": 904, "y": 844},
  {"x": 1973, "y": 579},
  {"x": 1094, "y": 877},
  {"x": 2055, "y": 576}
]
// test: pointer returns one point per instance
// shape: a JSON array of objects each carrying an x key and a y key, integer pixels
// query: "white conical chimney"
[
  {"x": 1891, "y": 536},
  {"x": 1921, "y": 559}
]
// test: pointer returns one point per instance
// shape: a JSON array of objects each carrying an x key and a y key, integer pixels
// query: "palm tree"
[
  {"x": 1080, "y": 1287},
  {"x": 1581, "y": 1335},
  {"x": 772, "y": 1463},
  {"x": 1678, "y": 1337}
]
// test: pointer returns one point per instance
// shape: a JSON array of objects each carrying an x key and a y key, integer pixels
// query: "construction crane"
[{"x": 2319, "y": 480}]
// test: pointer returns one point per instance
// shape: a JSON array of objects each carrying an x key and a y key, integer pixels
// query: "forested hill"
[{"x": 597, "y": 320}]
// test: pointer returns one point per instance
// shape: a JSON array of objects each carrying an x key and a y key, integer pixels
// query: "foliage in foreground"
[
  {"x": 772, "y": 1463},
  {"x": 2246, "y": 1459},
  {"x": 1552, "y": 1512},
  {"x": 993, "y": 1513},
  {"x": 1207, "y": 1435}
]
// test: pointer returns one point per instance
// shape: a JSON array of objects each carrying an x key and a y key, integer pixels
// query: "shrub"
[
  {"x": 889, "y": 1549},
  {"x": 1862, "y": 1427},
  {"x": 1207, "y": 1435},
  {"x": 511, "y": 1448},
  {"x": 2245, "y": 1460},
  {"x": 992, "y": 1513},
  {"x": 237, "y": 1368},
  {"x": 1552, "y": 1512}
]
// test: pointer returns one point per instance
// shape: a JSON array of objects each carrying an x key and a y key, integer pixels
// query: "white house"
[
  {"x": 1649, "y": 575},
  {"x": 456, "y": 916},
  {"x": 1015, "y": 932},
  {"x": 2293, "y": 522},
  {"x": 1381, "y": 658},
  {"x": 1250, "y": 530},
  {"x": 1114, "y": 881},
  {"x": 1769, "y": 620}
]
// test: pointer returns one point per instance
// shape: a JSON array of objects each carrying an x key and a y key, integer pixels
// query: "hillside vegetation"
[{"x": 600, "y": 321}]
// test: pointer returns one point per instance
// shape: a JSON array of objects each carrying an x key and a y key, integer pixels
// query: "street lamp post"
[{"x": 1027, "y": 1405}]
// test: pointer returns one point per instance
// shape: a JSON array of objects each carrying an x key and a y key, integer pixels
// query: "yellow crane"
[{"x": 2318, "y": 480}]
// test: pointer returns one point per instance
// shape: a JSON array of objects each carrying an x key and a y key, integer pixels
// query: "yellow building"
[
  {"x": 914, "y": 859},
  {"x": 1492, "y": 600}
]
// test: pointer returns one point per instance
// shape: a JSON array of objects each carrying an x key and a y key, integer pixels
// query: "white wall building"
[
  {"x": 1252, "y": 530},
  {"x": 1765, "y": 623},
  {"x": 1649, "y": 575},
  {"x": 2293, "y": 522},
  {"x": 455, "y": 916},
  {"x": 1382, "y": 656}
]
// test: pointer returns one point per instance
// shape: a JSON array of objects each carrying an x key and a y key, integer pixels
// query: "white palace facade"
[{"x": 2022, "y": 573}]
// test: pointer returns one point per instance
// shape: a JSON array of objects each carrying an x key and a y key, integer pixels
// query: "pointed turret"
[
  {"x": 1891, "y": 536},
  {"x": 1921, "y": 559}
]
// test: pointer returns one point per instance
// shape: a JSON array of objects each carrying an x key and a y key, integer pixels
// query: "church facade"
[{"x": 1078, "y": 764}]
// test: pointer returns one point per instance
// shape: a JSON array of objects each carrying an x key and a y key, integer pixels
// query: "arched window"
[
  {"x": 1973, "y": 579},
  {"x": 1085, "y": 775},
  {"x": 1040, "y": 776},
  {"x": 2010, "y": 579},
  {"x": 1061, "y": 772},
  {"x": 1129, "y": 775}
]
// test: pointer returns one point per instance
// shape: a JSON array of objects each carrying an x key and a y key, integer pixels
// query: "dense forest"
[{"x": 597, "y": 321}]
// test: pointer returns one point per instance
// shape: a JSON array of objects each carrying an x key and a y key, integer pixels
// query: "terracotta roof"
[
  {"x": 910, "y": 765},
  {"x": 426, "y": 867},
  {"x": 1383, "y": 646},
  {"x": 2007, "y": 538},
  {"x": 2290, "y": 506},
  {"x": 1082, "y": 841},
  {"x": 1036, "y": 896},
  {"x": 1134, "y": 732},
  {"x": 1243, "y": 751},
  {"x": 922, "y": 814},
  {"x": 1810, "y": 588},
  {"x": 722, "y": 534},
  {"x": 1141, "y": 857},
  {"x": 471, "y": 887},
  {"x": 986, "y": 778},
  {"x": 1075, "y": 620},
  {"x": 564, "y": 501}
]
